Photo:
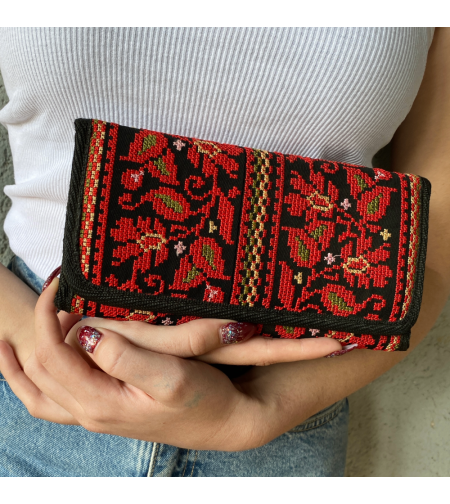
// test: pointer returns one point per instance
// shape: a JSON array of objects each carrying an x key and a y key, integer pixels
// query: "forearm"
[
  {"x": 295, "y": 391},
  {"x": 17, "y": 303},
  {"x": 421, "y": 146}
]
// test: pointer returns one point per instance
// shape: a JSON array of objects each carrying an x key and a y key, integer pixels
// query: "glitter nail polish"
[
  {"x": 235, "y": 332},
  {"x": 53, "y": 274},
  {"x": 345, "y": 349},
  {"x": 88, "y": 338}
]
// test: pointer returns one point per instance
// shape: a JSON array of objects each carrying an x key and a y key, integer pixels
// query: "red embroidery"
[
  {"x": 104, "y": 204},
  {"x": 186, "y": 222}
]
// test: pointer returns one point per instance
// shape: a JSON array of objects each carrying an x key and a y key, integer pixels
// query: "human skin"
[{"x": 266, "y": 401}]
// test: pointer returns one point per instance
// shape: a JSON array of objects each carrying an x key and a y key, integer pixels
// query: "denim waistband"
[{"x": 21, "y": 270}]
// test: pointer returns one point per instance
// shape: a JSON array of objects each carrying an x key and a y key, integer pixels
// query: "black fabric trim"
[{"x": 73, "y": 282}]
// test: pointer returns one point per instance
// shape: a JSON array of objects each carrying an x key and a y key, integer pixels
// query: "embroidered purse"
[{"x": 166, "y": 229}]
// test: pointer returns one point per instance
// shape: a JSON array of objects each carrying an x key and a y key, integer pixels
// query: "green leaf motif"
[
  {"x": 191, "y": 274},
  {"x": 208, "y": 254},
  {"x": 374, "y": 205},
  {"x": 303, "y": 250},
  {"x": 288, "y": 329},
  {"x": 318, "y": 232},
  {"x": 148, "y": 143},
  {"x": 339, "y": 302},
  {"x": 361, "y": 183},
  {"x": 159, "y": 163},
  {"x": 170, "y": 203}
]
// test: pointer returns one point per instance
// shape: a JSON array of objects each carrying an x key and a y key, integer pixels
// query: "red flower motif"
[
  {"x": 313, "y": 198},
  {"x": 141, "y": 241},
  {"x": 364, "y": 266},
  {"x": 214, "y": 154}
]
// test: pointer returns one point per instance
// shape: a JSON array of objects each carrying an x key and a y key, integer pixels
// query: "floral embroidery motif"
[{"x": 248, "y": 228}]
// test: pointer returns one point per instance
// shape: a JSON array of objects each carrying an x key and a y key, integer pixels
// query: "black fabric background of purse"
[{"x": 73, "y": 282}]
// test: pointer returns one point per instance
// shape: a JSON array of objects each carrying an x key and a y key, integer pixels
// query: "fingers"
[
  {"x": 63, "y": 363},
  {"x": 190, "y": 339},
  {"x": 163, "y": 377},
  {"x": 67, "y": 321},
  {"x": 208, "y": 340},
  {"x": 37, "y": 403},
  {"x": 259, "y": 351}
]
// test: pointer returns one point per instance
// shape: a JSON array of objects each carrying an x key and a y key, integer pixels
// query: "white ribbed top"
[{"x": 332, "y": 93}]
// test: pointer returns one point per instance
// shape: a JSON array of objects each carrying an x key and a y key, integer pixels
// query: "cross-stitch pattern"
[{"x": 184, "y": 218}]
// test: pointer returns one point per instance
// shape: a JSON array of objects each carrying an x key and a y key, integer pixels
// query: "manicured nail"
[
  {"x": 88, "y": 338},
  {"x": 50, "y": 278},
  {"x": 345, "y": 349},
  {"x": 235, "y": 332}
]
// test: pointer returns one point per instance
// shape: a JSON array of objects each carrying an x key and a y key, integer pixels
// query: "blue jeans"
[{"x": 33, "y": 447}]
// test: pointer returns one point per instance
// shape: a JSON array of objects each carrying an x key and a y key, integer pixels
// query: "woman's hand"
[
  {"x": 141, "y": 393},
  {"x": 209, "y": 340},
  {"x": 17, "y": 305}
]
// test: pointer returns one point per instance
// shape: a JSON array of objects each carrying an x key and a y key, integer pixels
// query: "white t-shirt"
[{"x": 331, "y": 93}]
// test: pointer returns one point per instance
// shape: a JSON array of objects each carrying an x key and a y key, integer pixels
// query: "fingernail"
[
  {"x": 88, "y": 338},
  {"x": 235, "y": 332},
  {"x": 50, "y": 278},
  {"x": 345, "y": 349}
]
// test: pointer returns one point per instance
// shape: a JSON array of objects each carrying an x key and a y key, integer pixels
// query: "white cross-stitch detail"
[
  {"x": 212, "y": 292},
  {"x": 136, "y": 176},
  {"x": 179, "y": 247},
  {"x": 179, "y": 144},
  {"x": 314, "y": 331},
  {"x": 330, "y": 258},
  {"x": 346, "y": 204},
  {"x": 167, "y": 321},
  {"x": 379, "y": 174}
]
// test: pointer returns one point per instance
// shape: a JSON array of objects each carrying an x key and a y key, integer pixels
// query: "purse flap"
[{"x": 169, "y": 223}]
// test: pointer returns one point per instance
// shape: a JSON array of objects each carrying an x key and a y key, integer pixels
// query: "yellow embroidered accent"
[
  {"x": 150, "y": 317},
  {"x": 385, "y": 234},
  {"x": 341, "y": 340},
  {"x": 204, "y": 150},
  {"x": 298, "y": 277},
  {"x": 212, "y": 227},
  {"x": 356, "y": 271},
  {"x": 255, "y": 233},
  {"x": 326, "y": 199},
  {"x": 146, "y": 248},
  {"x": 394, "y": 344}
]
